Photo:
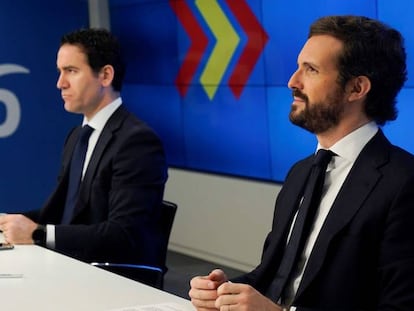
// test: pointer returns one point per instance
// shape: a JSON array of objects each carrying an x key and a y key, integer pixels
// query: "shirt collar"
[
  {"x": 351, "y": 145},
  {"x": 101, "y": 117}
]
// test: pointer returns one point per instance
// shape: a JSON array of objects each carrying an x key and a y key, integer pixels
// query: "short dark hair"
[
  {"x": 371, "y": 49},
  {"x": 101, "y": 48}
]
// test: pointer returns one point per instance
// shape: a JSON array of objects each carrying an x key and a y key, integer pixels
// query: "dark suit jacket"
[
  {"x": 118, "y": 206},
  {"x": 363, "y": 258}
]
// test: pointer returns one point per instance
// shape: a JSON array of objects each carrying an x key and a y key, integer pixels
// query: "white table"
[{"x": 51, "y": 281}]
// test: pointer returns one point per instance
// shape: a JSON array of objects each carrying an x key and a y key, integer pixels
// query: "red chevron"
[
  {"x": 257, "y": 39},
  {"x": 199, "y": 42}
]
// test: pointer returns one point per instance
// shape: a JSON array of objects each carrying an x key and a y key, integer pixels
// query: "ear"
[
  {"x": 358, "y": 88},
  {"x": 107, "y": 75}
]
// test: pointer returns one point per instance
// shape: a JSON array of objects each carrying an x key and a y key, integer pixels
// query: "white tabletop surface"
[{"x": 51, "y": 281}]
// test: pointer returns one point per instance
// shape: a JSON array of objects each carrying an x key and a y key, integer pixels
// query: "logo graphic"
[
  {"x": 226, "y": 41},
  {"x": 10, "y": 101}
]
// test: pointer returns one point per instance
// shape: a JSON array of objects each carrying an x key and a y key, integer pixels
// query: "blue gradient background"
[{"x": 249, "y": 137}]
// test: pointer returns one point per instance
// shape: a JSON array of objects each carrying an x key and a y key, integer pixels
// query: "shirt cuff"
[{"x": 50, "y": 236}]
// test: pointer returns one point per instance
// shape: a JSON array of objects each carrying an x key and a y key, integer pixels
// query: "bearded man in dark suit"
[{"x": 358, "y": 253}]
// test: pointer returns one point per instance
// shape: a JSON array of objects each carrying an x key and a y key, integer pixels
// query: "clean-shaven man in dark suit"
[
  {"x": 124, "y": 173},
  {"x": 359, "y": 253}
]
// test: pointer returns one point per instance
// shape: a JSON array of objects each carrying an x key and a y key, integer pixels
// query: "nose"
[
  {"x": 294, "y": 81},
  {"x": 61, "y": 83}
]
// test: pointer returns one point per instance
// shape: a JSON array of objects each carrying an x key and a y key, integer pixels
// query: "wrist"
[{"x": 39, "y": 235}]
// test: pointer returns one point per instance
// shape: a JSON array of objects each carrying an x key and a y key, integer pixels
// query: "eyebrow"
[
  {"x": 310, "y": 64},
  {"x": 67, "y": 67}
]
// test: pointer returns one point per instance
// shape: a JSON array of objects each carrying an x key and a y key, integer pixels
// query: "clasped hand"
[
  {"x": 215, "y": 292},
  {"x": 17, "y": 229}
]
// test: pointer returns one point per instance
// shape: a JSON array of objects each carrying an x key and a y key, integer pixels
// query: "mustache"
[{"x": 299, "y": 94}]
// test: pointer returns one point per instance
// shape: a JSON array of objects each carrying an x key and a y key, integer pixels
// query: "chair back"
[
  {"x": 168, "y": 211},
  {"x": 150, "y": 275}
]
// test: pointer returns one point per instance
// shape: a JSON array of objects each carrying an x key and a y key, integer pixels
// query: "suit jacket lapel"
[
  {"x": 53, "y": 209},
  {"x": 72, "y": 139},
  {"x": 357, "y": 186},
  {"x": 290, "y": 197},
  {"x": 287, "y": 203},
  {"x": 113, "y": 124}
]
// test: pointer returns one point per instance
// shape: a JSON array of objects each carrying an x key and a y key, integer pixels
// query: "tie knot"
[
  {"x": 323, "y": 157},
  {"x": 86, "y": 131}
]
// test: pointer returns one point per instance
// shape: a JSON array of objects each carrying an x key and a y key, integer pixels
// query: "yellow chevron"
[{"x": 227, "y": 41}]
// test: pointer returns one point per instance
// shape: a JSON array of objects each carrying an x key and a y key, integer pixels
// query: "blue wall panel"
[
  {"x": 247, "y": 134},
  {"x": 30, "y": 153}
]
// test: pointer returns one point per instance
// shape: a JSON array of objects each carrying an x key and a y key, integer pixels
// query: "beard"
[{"x": 318, "y": 117}]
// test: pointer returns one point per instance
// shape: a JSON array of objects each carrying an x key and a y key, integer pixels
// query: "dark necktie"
[
  {"x": 303, "y": 223},
  {"x": 75, "y": 173}
]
